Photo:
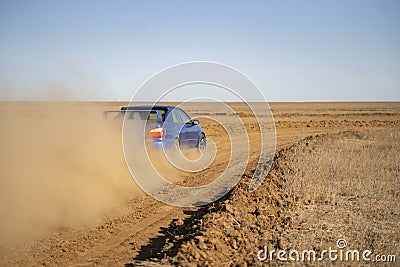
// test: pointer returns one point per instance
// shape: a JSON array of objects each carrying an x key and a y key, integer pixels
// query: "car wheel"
[{"x": 202, "y": 143}]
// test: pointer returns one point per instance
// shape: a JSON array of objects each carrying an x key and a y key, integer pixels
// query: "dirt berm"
[{"x": 232, "y": 230}]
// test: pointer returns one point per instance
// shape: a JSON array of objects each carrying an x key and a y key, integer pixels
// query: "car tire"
[{"x": 202, "y": 143}]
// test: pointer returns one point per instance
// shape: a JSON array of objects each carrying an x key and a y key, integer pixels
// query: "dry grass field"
[
  {"x": 67, "y": 197},
  {"x": 347, "y": 187}
]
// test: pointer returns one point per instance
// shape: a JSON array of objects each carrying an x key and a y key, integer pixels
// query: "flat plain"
[{"x": 68, "y": 199}]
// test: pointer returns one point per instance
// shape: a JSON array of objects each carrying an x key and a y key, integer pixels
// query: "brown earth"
[{"x": 68, "y": 199}]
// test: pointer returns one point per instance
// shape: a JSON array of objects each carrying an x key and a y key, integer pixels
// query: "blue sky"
[{"x": 294, "y": 50}]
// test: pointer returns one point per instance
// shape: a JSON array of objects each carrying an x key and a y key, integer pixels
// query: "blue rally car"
[{"x": 167, "y": 126}]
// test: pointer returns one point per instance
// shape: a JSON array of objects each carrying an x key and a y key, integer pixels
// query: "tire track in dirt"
[{"x": 232, "y": 230}]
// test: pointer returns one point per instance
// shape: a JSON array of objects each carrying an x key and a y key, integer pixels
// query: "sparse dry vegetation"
[{"x": 348, "y": 188}]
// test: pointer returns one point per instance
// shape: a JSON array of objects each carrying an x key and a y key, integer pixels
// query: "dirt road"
[{"x": 96, "y": 215}]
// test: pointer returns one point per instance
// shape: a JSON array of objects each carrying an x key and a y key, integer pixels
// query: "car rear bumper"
[{"x": 159, "y": 143}]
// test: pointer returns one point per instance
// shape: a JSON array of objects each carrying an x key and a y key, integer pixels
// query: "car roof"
[{"x": 148, "y": 107}]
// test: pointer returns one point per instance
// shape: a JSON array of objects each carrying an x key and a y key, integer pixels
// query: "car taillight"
[{"x": 158, "y": 132}]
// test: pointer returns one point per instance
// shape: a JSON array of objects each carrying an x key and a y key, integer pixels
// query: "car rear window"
[
  {"x": 141, "y": 115},
  {"x": 145, "y": 115}
]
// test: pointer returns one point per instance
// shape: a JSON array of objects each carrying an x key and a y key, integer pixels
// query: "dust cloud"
[{"x": 61, "y": 166}]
